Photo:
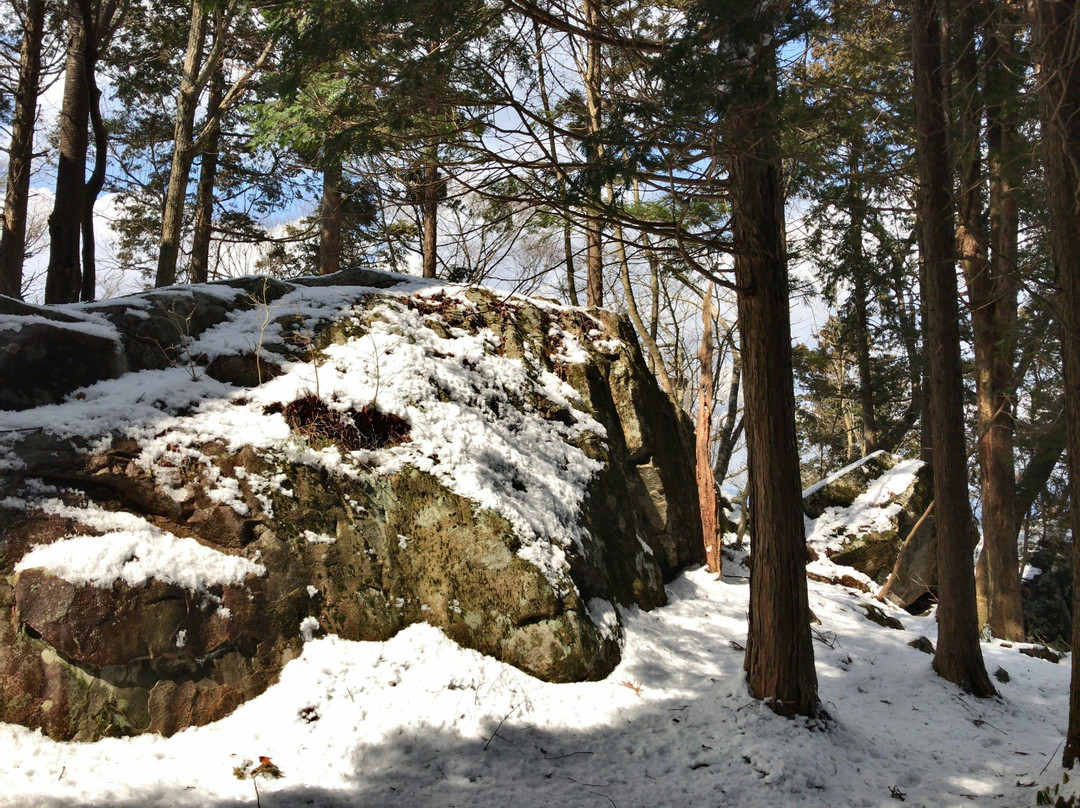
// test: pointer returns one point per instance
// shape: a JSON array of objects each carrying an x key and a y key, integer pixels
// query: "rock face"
[
  {"x": 239, "y": 467},
  {"x": 864, "y": 513}
]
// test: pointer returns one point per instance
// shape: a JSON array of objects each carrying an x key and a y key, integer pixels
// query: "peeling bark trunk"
[{"x": 706, "y": 483}]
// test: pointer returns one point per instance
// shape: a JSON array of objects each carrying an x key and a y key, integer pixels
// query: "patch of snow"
[
  {"x": 308, "y": 627},
  {"x": 318, "y": 538},
  {"x": 604, "y": 616},
  {"x": 132, "y": 550}
]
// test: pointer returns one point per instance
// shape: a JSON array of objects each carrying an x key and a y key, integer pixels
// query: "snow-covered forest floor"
[{"x": 419, "y": 721}]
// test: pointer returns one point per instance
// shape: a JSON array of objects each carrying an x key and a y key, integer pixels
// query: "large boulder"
[
  {"x": 266, "y": 461},
  {"x": 872, "y": 516}
]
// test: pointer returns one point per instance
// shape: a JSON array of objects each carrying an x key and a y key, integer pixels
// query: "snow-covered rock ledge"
[{"x": 236, "y": 468}]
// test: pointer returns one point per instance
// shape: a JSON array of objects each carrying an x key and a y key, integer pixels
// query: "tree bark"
[
  {"x": 330, "y": 221},
  {"x": 430, "y": 215},
  {"x": 1057, "y": 40},
  {"x": 21, "y": 152},
  {"x": 706, "y": 483},
  {"x": 94, "y": 28},
  {"x": 63, "y": 281},
  {"x": 958, "y": 657},
  {"x": 203, "y": 226},
  {"x": 779, "y": 655},
  {"x": 594, "y": 247},
  {"x": 187, "y": 100},
  {"x": 857, "y": 259},
  {"x": 993, "y": 299}
]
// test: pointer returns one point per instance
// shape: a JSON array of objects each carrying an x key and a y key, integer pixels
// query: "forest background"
[{"x": 918, "y": 163}]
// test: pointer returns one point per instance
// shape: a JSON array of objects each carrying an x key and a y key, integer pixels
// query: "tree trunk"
[
  {"x": 330, "y": 221},
  {"x": 958, "y": 657},
  {"x": 856, "y": 256},
  {"x": 430, "y": 213},
  {"x": 63, "y": 281},
  {"x": 706, "y": 483},
  {"x": 21, "y": 152},
  {"x": 779, "y": 655},
  {"x": 994, "y": 312},
  {"x": 187, "y": 100},
  {"x": 203, "y": 226},
  {"x": 1057, "y": 41},
  {"x": 96, "y": 180},
  {"x": 594, "y": 246}
]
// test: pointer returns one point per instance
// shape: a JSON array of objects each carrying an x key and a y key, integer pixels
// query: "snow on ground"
[{"x": 419, "y": 721}]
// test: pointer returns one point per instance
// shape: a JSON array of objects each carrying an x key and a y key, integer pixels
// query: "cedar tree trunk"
[
  {"x": 958, "y": 657},
  {"x": 1057, "y": 40},
  {"x": 779, "y": 656}
]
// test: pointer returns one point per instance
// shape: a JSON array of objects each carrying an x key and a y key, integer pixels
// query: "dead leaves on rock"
[{"x": 367, "y": 428}]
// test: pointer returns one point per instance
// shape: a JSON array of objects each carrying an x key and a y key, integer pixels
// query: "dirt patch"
[{"x": 367, "y": 428}]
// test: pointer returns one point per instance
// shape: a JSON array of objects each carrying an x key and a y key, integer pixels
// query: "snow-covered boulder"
[
  {"x": 861, "y": 516},
  {"x": 261, "y": 462}
]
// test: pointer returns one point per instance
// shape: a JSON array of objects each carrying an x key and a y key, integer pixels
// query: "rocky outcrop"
[
  {"x": 249, "y": 465},
  {"x": 870, "y": 516}
]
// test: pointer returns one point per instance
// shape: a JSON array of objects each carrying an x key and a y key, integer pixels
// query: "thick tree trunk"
[
  {"x": 330, "y": 221},
  {"x": 958, "y": 657},
  {"x": 994, "y": 312},
  {"x": 63, "y": 281},
  {"x": 1057, "y": 40},
  {"x": 779, "y": 655},
  {"x": 187, "y": 101},
  {"x": 21, "y": 152},
  {"x": 203, "y": 225}
]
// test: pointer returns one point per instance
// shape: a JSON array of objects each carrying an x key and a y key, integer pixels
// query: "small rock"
[
  {"x": 876, "y": 615},
  {"x": 923, "y": 644}
]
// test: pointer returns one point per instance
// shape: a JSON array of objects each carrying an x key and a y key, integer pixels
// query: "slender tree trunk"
[
  {"x": 187, "y": 101},
  {"x": 63, "y": 281},
  {"x": 553, "y": 157},
  {"x": 203, "y": 225},
  {"x": 958, "y": 657},
  {"x": 594, "y": 247},
  {"x": 430, "y": 217},
  {"x": 96, "y": 180},
  {"x": 21, "y": 152},
  {"x": 706, "y": 483},
  {"x": 330, "y": 221},
  {"x": 856, "y": 255},
  {"x": 1057, "y": 40},
  {"x": 652, "y": 350},
  {"x": 779, "y": 655}
]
